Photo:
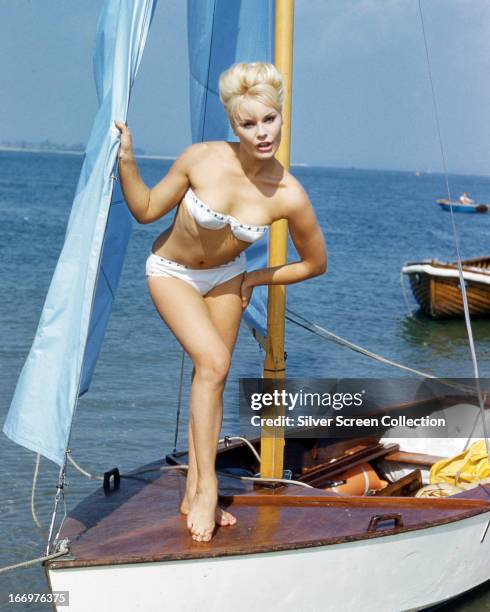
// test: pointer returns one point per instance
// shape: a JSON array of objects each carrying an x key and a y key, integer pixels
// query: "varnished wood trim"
[
  {"x": 413, "y": 458},
  {"x": 443, "y": 503}
]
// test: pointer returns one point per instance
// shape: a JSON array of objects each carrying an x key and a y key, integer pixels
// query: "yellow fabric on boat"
[{"x": 469, "y": 466}]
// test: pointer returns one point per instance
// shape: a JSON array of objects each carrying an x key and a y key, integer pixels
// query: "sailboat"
[{"x": 296, "y": 543}]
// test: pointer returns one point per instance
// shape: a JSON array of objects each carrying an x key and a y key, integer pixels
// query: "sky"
[{"x": 361, "y": 93}]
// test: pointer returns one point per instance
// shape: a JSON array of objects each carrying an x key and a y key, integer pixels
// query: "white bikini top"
[{"x": 210, "y": 219}]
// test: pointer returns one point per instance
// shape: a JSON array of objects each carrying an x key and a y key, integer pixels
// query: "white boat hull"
[{"x": 408, "y": 571}]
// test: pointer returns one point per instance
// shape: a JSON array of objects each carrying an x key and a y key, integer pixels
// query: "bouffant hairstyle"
[{"x": 256, "y": 80}]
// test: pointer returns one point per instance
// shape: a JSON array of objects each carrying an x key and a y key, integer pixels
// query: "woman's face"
[{"x": 258, "y": 127}]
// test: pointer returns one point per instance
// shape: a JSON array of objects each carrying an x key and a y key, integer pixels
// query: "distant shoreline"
[
  {"x": 418, "y": 173},
  {"x": 72, "y": 152},
  {"x": 25, "y": 150}
]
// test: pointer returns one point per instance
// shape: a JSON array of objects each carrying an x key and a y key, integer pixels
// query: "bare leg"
[
  {"x": 225, "y": 306},
  {"x": 191, "y": 481},
  {"x": 222, "y": 517},
  {"x": 188, "y": 316}
]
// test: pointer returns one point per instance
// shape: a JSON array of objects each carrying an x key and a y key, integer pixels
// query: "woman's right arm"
[{"x": 145, "y": 204}]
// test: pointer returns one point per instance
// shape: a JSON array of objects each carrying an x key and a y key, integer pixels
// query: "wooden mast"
[{"x": 272, "y": 438}]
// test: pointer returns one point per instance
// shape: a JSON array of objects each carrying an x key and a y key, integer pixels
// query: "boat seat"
[{"x": 406, "y": 486}]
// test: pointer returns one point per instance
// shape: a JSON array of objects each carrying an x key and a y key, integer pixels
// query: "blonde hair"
[{"x": 257, "y": 80}]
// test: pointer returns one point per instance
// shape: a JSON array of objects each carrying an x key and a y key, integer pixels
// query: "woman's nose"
[{"x": 261, "y": 129}]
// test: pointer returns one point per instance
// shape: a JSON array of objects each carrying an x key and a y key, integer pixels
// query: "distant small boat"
[
  {"x": 459, "y": 207},
  {"x": 435, "y": 286}
]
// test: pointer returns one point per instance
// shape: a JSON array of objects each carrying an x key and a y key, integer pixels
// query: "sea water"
[{"x": 374, "y": 222}]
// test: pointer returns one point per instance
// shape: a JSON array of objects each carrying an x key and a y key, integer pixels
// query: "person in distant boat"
[
  {"x": 464, "y": 198},
  {"x": 227, "y": 194}
]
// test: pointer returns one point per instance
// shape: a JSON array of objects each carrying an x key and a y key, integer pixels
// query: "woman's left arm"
[{"x": 308, "y": 239}]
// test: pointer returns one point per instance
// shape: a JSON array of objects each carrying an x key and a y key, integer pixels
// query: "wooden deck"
[{"x": 140, "y": 521}]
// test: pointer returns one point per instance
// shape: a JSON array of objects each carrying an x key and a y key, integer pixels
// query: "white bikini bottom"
[{"x": 203, "y": 280}]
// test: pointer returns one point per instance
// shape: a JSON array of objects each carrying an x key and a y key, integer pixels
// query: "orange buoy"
[{"x": 358, "y": 481}]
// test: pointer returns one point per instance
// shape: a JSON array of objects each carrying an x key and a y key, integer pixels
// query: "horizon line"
[{"x": 156, "y": 156}]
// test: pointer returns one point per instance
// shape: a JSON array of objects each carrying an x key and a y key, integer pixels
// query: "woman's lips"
[{"x": 264, "y": 147}]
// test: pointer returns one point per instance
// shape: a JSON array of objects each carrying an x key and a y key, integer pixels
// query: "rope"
[
  {"x": 438, "y": 490},
  {"x": 81, "y": 470},
  {"x": 184, "y": 466},
  {"x": 456, "y": 240},
  {"x": 404, "y": 293},
  {"x": 33, "y": 497},
  {"x": 62, "y": 550},
  {"x": 328, "y": 335},
  {"x": 226, "y": 440},
  {"x": 260, "y": 479}
]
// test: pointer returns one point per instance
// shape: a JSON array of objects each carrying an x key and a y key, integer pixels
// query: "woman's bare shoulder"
[
  {"x": 293, "y": 196},
  {"x": 221, "y": 148},
  {"x": 194, "y": 151},
  {"x": 213, "y": 149}
]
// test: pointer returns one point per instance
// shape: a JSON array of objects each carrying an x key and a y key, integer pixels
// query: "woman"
[{"x": 227, "y": 194}]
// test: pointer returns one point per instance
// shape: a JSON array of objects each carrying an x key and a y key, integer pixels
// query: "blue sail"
[
  {"x": 68, "y": 339},
  {"x": 220, "y": 33}
]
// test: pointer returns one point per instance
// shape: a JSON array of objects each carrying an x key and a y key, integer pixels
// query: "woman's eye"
[
  {"x": 271, "y": 118},
  {"x": 247, "y": 125}
]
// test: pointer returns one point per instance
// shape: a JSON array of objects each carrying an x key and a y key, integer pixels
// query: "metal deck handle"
[{"x": 382, "y": 518}]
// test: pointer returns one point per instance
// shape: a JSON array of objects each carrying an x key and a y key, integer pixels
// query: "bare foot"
[
  {"x": 222, "y": 517},
  {"x": 200, "y": 519}
]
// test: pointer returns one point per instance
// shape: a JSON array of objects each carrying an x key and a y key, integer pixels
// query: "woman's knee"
[{"x": 213, "y": 367}]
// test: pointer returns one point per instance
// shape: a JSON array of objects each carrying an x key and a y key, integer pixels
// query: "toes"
[
  {"x": 202, "y": 536},
  {"x": 231, "y": 520},
  {"x": 225, "y": 518}
]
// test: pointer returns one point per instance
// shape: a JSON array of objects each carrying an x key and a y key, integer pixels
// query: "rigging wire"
[
  {"x": 456, "y": 237},
  {"x": 328, "y": 335},
  {"x": 179, "y": 400},
  {"x": 207, "y": 88},
  {"x": 316, "y": 329}
]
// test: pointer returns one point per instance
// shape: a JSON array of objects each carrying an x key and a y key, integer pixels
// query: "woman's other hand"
[
  {"x": 246, "y": 291},
  {"x": 126, "y": 147}
]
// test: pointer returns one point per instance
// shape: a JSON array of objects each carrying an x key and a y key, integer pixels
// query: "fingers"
[
  {"x": 246, "y": 295},
  {"x": 122, "y": 127}
]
